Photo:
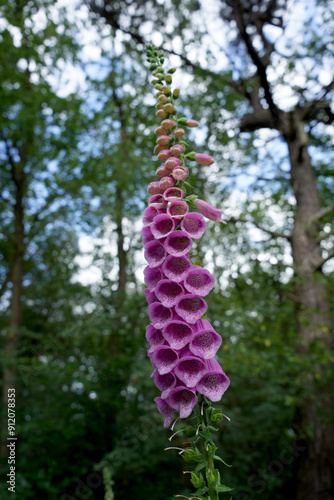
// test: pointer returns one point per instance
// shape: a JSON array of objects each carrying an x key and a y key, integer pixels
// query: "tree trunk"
[
  {"x": 315, "y": 467},
  {"x": 12, "y": 339}
]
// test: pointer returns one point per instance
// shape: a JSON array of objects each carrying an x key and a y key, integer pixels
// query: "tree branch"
[
  {"x": 322, "y": 261},
  {"x": 321, "y": 214},
  {"x": 274, "y": 234}
]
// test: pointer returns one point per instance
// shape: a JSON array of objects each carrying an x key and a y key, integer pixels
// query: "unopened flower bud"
[
  {"x": 197, "y": 479},
  {"x": 154, "y": 188},
  {"x": 160, "y": 69},
  {"x": 179, "y": 132},
  {"x": 155, "y": 82},
  {"x": 161, "y": 113},
  {"x": 159, "y": 105},
  {"x": 203, "y": 159},
  {"x": 173, "y": 162},
  {"x": 164, "y": 140},
  {"x": 164, "y": 154},
  {"x": 158, "y": 86},
  {"x": 159, "y": 93},
  {"x": 212, "y": 477},
  {"x": 165, "y": 89},
  {"x": 158, "y": 148},
  {"x": 176, "y": 93},
  {"x": 162, "y": 98},
  {"x": 162, "y": 171},
  {"x": 159, "y": 76},
  {"x": 168, "y": 78},
  {"x": 177, "y": 149},
  {"x": 180, "y": 173},
  {"x": 208, "y": 210},
  {"x": 166, "y": 182},
  {"x": 192, "y": 123},
  {"x": 169, "y": 107},
  {"x": 171, "y": 71},
  {"x": 168, "y": 124},
  {"x": 160, "y": 131}
]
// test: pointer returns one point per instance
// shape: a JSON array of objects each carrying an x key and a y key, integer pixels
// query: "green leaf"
[
  {"x": 200, "y": 466},
  {"x": 221, "y": 488},
  {"x": 221, "y": 460}
]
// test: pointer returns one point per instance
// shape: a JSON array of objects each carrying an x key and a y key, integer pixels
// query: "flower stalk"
[{"x": 183, "y": 343}]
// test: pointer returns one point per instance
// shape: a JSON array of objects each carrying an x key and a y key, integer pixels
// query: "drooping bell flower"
[
  {"x": 177, "y": 333},
  {"x": 199, "y": 281},
  {"x": 159, "y": 314},
  {"x": 205, "y": 343},
  {"x": 165, "y": 359},
  {"x": 154, "y": 188},
  {"x": 154, "y": 253},
  {"x": 183, "y": 399},
  {"x": 157, "y": 201},
  {"x": 191, "y": 307},
  {"x": 178, "y": 243},
  {"x": 168, "y": 292},
  {"x": 166, "y": 410},
  {"x": 189, "y": 369},
  {"x": 208, "y": 210},
  {"x": 162, "y": 226},
  {"x": 154, "y": 337},
  {"x": 166, "y": 183},
  {"x": 146, "y": 234},
  {"x": 193, "y": 224},
  {"x": 173, "y": 194},
  {"x": 177, "y": 209},
  {"x": 152, "y": 276},
  {"x": 176, "y": 268},
  {"x": 214, "y": 382},
  {"x": 165, "y": 383}
]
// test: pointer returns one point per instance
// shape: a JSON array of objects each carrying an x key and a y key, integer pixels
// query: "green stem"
[{"x": 214, "y": 495}]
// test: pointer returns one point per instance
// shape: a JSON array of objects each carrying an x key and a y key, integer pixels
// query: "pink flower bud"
[
  {"x": 179, "y": 132},
  {"x": 208, "y": 210},
  {"x": 173, "y": 162},
  {"x": 168, "y": 124},
  {"x": 165, "y": 183},
  {"x": 161, "y": 113},
  {"x": 158, "y": 148},
  {"x": 164, "y": 140},
  {"x": 180, "y": 173},
  {"x": 192, "y": 123},
  {"x": 203, "y": 159},
  {"x": 162, "y": 171},
  {"x": 160, "y": 131},
  {"x": 177, "y": 149},
  {"x": 164, "y": 154},
  {"x": 154, "y": 188}
]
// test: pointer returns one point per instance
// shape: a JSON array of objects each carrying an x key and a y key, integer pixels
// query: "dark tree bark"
[{"x": 16, "y": 277}]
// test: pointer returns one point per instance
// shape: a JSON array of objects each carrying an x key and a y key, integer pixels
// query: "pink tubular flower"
[
  {"x": 214, "y": 383},
  {"x": 166, "y": 410},
  {"x": 182, "y": 345},
  {"x": 203, "y": 159},
  {"x": 173, "y": 194},
  {"x": 177, "y": 209},
  {"x": 192, "y": 123},
  {"x": 208, "y": 210},
  {"x": 162, "y": 226},
  {"x": 177, "y": 149},
  {"x": 193, "y": 224}
]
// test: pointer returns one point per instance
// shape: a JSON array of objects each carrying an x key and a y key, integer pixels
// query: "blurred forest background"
[{"x": 76, "y": 140}]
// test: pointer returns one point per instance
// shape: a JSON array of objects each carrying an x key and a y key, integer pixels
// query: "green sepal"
[
  {"x": 183, "y": 120},
  {"x": 189, "y": 431},
  {"x": 213, "y": 477},
  {"x": 221, "y": 488},
  {"x": 204, "y": 316},
  {"x": 197, "y": 480},
  {"x": 191, "y": 197},
  {"x": 216, "y": 415},
  {"x": 200, "y": 466},
  {"x": 210, "y": 446},
  {"x": 192, "y": 455},
  {"x": 197, "y": 263},
  {"x": 201, "y": 491},
  {"x": 212, "y": 428},
  {"x": 187, "y": 183},
  {"x": 216, "y": 457},
  {"x": 191, "y": 155}
]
